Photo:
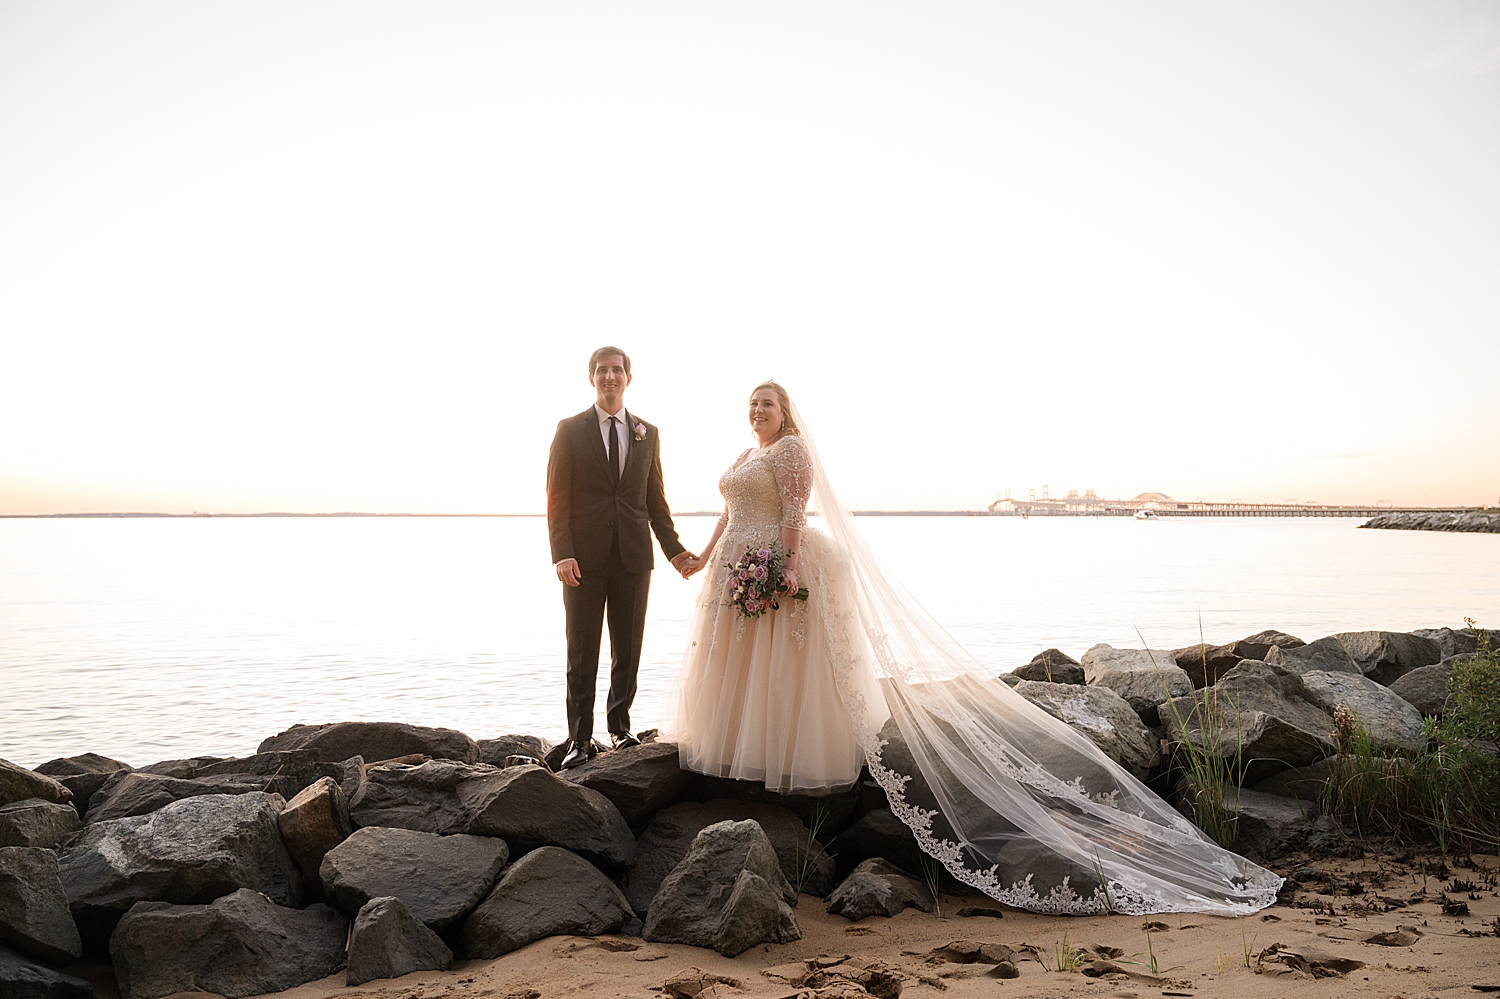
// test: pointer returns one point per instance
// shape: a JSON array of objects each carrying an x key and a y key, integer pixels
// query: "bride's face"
[{"x": 765, "y": 414}]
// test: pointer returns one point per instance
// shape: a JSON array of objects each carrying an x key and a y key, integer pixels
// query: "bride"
[{"x": 801, "y": 697}]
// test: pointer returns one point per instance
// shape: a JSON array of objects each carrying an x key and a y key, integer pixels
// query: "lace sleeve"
[{"x": 794, "y": 479}]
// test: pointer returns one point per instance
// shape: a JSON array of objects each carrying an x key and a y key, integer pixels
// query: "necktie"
[{"x": 614, "y": 450}]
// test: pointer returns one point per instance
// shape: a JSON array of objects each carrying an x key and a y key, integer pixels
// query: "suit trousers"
[{"x": 621, "y": 596}]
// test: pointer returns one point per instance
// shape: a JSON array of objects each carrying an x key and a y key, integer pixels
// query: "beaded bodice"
[{"x": 768, "y": 490}]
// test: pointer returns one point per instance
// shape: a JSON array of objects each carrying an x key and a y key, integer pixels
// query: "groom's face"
[{"x": 609, "y": 380}]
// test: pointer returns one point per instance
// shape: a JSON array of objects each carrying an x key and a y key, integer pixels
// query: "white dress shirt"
[{"x": 624, "y": 432}]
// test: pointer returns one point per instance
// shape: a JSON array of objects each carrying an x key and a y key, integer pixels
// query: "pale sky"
[{"x": 354, "y": 256}]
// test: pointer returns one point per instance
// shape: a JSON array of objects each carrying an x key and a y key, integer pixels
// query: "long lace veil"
[{"x": 1006, "y": 797}]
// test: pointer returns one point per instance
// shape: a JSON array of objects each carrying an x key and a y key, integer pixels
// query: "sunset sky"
[{"x": 354, "y": 256}]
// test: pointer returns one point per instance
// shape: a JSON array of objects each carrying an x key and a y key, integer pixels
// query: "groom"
[{"x": 604, "y": 486}]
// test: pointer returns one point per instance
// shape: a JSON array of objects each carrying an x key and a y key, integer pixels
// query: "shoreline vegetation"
[{"x": 1363, "y": 767}]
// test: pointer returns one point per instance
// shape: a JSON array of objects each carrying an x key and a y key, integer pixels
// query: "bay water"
[{"x": 148, "y": 639}]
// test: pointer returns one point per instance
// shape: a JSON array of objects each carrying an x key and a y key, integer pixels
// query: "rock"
[
  {"x": 422, "y": 797},
  {"x": 302, "y": 765},
  {"x": 1303, "y": 784},
  {"x": 640, "y": 781},
  {"x": 1204, "y": 664},
  {"x": 1450, "y": 643},
  {"x": 188, "y": 852},
  {"x": 1469, "y": 521},
  {"x": 314, "y": 822},
  {"x": 375, "y": 741},
  {"x": 1256, "y": 714},
  {"x": 34, "y": 917},
  {"x": 1269, "y": 824},
  {"x": 878, "y": 834},
  {"x": 548, "y": 892},
  {"x": 832, "y": 812},
  {"x": 728, "y": 893},
  {"x": 240, "y": 945},
  {"x": 34, "y": 822},
  {"x": 352, "y": 777},
  {"x": 1051, "y": 666},
  {"x": 496, "y": 751},
  {"x": 18, "y": 784},
  {"x": 530, "y": 807},
  {"x": 1266, "y": 639},
  {"x": 1390, "y": 721},
  {"x": 83, "y": 775},
  {"x": 440, "y": 879},
  {"x": 137, "y": 792},
  {"x": 670, "y": 836},
  {"x": 1104, "y": 716},
  {"x": 1326, "y": 654},
  {"x": 387, "y": 941},
  {"x": 1384, "y": 656},
  {"x": 1144, "y": 677},
  {"x": 972, "y": 952},
  {"x": 878, "y": 888},
  {"x": 23, "y": 978},
  {"x": 1426, "y": 688}
]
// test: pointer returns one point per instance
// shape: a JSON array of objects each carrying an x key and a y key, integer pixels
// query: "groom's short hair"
[{"x": 604, "y": 352}]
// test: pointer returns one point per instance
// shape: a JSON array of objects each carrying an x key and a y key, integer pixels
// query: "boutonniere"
[{"x": 640, "y": 430}]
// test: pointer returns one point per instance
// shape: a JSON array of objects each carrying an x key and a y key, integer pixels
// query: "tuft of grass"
[
  {"x": 807, "y": 859},
  {"x": 1449, "y": 792},
  {"x": 1247, "y": 946},
  {"x": 932, "y": 872},
  {"x": 1065, "y": 957},
  {"x": 1151, "y": 953},
  {"x": 1201, "y": 736}
]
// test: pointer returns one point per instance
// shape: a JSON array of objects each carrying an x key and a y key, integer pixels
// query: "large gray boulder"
[
  {"x": 1384, "y": 656},
  {"x": 501, "y": 748},
  {"x": 1326, "y": 654},
  {"x": 240, "y": 945},
  {"x": 639, "y": 781},
  {"x": 1254, "y": 715},
  {"x": 1390, "y": 721},
  {"x": 1206, "y": 663},
  {"x": 728, "y": 893},
  {"x": 387, "y": 941},
  {"x": 440, "y": 879},
  {"x": 1269, "y": 825},
  {"x": 1450, "y": 643},
  {"x": 17, "y": 784},
  {"x": 23, "y": 978},
  {"x": 670, "y": 836},
  {"x": 548, "y": 892},
  {"x": 83, "y": 775},
  {"x": 423, "y": 797},
  {"x": 1104, "y": 716},
  {"x": 1426, "y": 688},
  {"x": 375, "y": 741},
  {"x": 34, "y": 822},
  {"x": 530, "y": 807},
  {"x": 1144, "y": 677},
  {"x": 34, "y": 917},
  {"x": 189, "y": 852},
  {"x": 314, "y": 822},
  {"x": 878, "y": 888},
  {"x": 137, "y": 792},
  {"x": 1051, "y": 666},
  {"x": 1303, "y": 784}
]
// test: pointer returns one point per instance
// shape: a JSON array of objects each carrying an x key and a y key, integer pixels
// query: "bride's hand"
[{"x": 789, "y": 581}]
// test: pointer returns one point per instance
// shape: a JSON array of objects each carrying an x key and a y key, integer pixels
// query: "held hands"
[{"x": 686, "y": 563}]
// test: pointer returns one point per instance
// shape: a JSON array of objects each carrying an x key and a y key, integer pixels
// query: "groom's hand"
[
  {"x": 682, "y": 562},
  {"x": 567, "y": 571}
]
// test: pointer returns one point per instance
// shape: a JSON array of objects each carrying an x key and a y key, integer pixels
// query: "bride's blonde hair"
[{"x": 788, "y": 425}]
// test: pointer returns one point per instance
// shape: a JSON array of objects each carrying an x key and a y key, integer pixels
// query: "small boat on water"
[{"x": 1146, "y": 515}]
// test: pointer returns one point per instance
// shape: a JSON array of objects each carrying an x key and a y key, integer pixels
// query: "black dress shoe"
[
  {"x": 623, "y": 740},
  {"x": 577, "y": 757}
]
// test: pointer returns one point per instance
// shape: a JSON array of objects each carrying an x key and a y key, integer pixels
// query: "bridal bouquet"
[{"x": 756, "y": 581}]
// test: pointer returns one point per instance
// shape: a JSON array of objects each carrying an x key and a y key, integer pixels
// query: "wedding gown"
[{"x": 1006, "y": 797}]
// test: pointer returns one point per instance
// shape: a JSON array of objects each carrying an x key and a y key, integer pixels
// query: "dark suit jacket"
[{"x": 585, "y": 511}]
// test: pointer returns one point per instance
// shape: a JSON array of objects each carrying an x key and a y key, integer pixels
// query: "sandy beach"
[{"x": 1331, "y": 923}]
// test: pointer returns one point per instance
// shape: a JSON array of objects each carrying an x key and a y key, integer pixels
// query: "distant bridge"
[{"x": 1127, "y": 508}]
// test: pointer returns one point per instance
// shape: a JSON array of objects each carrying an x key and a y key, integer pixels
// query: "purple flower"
[
  {"x": 760, "y": 572},
  {"x": 743, "y": 574},
  {"x": 763, "y": 555},
  {"x": 751, "y": 605}
]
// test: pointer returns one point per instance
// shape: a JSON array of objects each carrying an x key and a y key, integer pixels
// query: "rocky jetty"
[
  {"x": 1469, "y": 522},
  {"x": 247, "y": 875}
]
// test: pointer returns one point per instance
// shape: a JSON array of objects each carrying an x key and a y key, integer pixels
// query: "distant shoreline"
[{"x": 242, "y": 516}]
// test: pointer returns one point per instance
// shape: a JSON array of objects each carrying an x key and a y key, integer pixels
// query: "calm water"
[{"x": 150, "y": 639}]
